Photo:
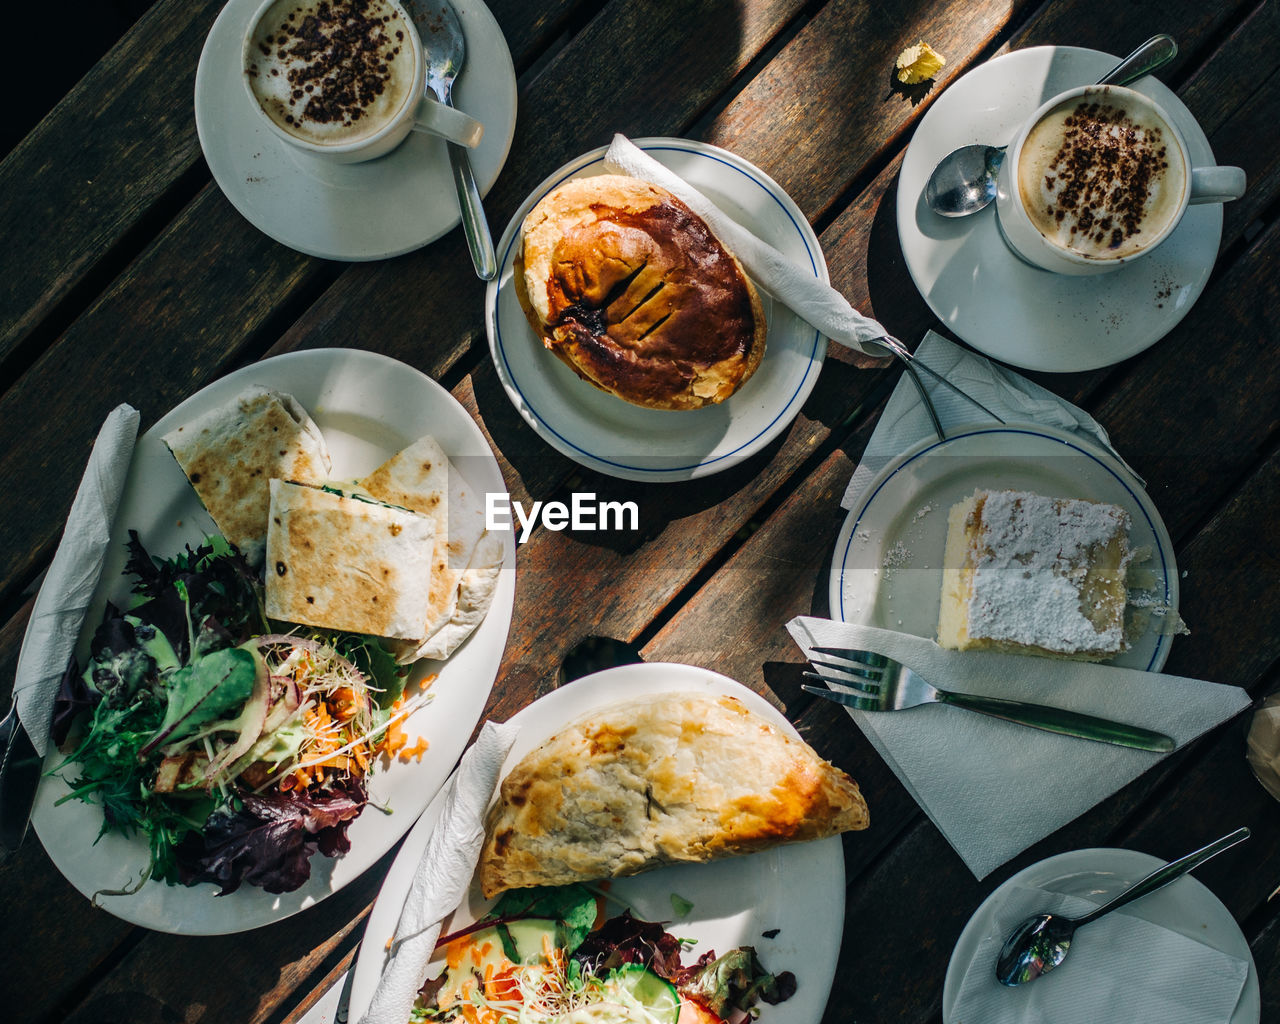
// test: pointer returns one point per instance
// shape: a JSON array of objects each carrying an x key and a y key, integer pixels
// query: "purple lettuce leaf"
[
  {"x": 628, "y": 940},
  {"x": 270, "y": 840}
]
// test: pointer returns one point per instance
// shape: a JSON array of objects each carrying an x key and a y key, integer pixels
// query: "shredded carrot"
[{"x": 415, "y": 752}]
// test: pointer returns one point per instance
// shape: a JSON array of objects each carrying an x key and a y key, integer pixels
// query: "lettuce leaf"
[
  {"x": 735, "y": 981},
  {"x": 204, "y": 690},
  {"x": 270, "y": 840}
]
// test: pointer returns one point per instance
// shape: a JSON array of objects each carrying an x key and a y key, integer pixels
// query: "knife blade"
[{"x": 20, "y": 769}]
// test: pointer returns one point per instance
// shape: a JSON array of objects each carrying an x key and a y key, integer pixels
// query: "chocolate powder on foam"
[
  {"x": 343, "y": 51},
  {"x": 1106, "y": 163}
]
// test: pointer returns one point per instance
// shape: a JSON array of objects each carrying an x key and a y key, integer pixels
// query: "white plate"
[
  {"x": 887, "y": 569},
  {"x": 369, "y": 407},
  {"x": 624, "y": 440},
  {"x": 367, "y": 211},
  {"x": 798, "y": 889},
  {"x": 1185, "y": 907},
  {"x": 1006, "y": 308}
]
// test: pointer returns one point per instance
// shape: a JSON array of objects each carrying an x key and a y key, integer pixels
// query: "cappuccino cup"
[
  {"x": 344, "y": 79},
  {"x": 1098, "y": 177}
]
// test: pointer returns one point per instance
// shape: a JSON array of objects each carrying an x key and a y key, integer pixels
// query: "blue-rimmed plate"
[
  {"x": 887, "y": 567},
  {"x": 623, "y": 440}
]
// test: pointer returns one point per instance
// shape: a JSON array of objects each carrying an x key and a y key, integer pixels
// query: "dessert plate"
[
  {"x": 615, "y": 437},
  {"x": 1185, "y": 907},
  {"x": 887, "y": 568},
  {"x": 1006, "y": 308},
  {"x": 797, "y": 889},
  {"x": 369, "y": 407},
  {"x": 366, "y": 211}
]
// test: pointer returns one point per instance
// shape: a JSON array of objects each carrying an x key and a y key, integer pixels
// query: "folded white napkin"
[
  {"x": 1010, "y": 396},
  {"x": 1121, "y": 968},
  {"x": 68, "y": 586},
  {"x": 814, "y": 301},
  {"x": 443, "y": 875},
  {"x": 983, "y": 781}
]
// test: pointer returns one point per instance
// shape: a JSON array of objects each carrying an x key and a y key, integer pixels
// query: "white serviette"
[
  {"x": 444, "y": 873},
  {"x": 68, "y": 587},
  {"x": 814, "y": 301},
  {"x": 1121, "y": 968},
  {"x": 993, "y": 788},
  {"x": 1009, "y": 395}
]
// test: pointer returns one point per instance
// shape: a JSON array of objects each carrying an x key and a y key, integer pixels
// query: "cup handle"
[
  {"x": 435, "y": 118},
  {"x": 1216, "y": 185}
]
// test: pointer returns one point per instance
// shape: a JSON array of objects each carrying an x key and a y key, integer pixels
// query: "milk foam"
[
  {"x": 331, "y": 71},
  {"x": 1102, "y": 177}
]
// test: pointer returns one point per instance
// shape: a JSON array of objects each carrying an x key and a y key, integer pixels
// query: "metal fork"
[{"x": 867, "y": 681}]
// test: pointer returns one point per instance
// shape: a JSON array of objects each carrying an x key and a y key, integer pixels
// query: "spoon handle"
[
  {"x": 475, "y": 227},
  {"x": 1154, "y": 53},
  {"x": 1163, "y": 876}
]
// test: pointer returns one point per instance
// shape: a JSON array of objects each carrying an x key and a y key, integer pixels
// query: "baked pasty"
[
  {"x": 630, "y": 289},
  {"x": 675, "y": 777}
]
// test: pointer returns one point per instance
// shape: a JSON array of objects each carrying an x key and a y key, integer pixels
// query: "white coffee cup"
[
  {"x": 383, "y": 121},
  {"x": 1064, "y": 203}
]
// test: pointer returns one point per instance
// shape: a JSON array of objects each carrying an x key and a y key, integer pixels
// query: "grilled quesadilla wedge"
[
  {"x": 347, "y": 562},
  {"x": 230, "y": 453},
  {"x": 668, "y": 778},
  {"x": 464, "y": 567}
]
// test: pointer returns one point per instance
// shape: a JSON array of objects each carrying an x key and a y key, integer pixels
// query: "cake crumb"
[
  {"x": 895, "y": 556},
  {"x": 921, "y": 512}
]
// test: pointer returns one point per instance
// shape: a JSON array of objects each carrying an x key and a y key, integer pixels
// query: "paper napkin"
[
  {"x": 443, "y": 875},
  {"x": 993, "y": 788},
  {"x": 1010, "y": 396},
  {"x": 68, "y": 587},
  {"x": 1121, "y": 968},
  {"x": 814, "y": 301}
]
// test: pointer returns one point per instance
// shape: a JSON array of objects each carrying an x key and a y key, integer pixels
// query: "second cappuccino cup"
[{"x": 1098, "y": 177}]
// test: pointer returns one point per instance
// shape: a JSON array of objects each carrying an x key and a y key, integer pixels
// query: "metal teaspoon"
[
  {"x": 446, "y": 49},
  {"x": 964, "y": 181},
  {"x": 1041, "y": 943}
]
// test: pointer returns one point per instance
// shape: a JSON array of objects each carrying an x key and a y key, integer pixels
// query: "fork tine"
[
  {"x": 857, "y": 703},
  {"x": 871, "y": 690},
  {"x": 860, "y": 672},
  {"x": 868, "y": 658}
]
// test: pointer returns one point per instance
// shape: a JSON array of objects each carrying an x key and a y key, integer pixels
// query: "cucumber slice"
[
  {"x": 527, "y": 936},
  {"x": 655, "y": 994}
]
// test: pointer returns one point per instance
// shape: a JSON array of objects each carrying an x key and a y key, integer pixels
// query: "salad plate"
[
  {"x": 1186, "y": 907},
  {"x": 738, "y": 901},
  {"x": 367, "y": 211},
  {"x": 887, "y": 567},
  {"x": 368, "y": 407},
  {"x": 614, "y": 437},
  {"x": 1008, "y": 309}
]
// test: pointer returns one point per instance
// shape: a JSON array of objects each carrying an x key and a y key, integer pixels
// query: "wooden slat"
[{"x": 72, "y": 194}]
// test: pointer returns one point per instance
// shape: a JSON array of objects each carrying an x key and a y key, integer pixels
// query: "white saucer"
[
  {"x": 1185, "y": 907},
  {"x": 1006, "y": 308},
  {"x": 366, "y": 211},
  {"x": 615, "y": 437}
]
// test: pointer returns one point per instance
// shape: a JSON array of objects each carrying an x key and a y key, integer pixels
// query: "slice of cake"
[{"x": 1035, "y": 575}]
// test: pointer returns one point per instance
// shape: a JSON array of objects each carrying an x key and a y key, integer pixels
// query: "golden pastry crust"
[
  {"x": 631, "y": 290},
  {"x": 671, "y": 778}
]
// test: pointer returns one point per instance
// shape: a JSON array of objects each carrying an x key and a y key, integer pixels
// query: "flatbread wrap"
[
  {"x": 231, "y": 452},
  {"x": 343, "y": 562},
  {"x": 466, "y": 560}
]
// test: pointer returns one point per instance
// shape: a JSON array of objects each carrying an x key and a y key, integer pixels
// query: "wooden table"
[{"x": 129, "y": 277}]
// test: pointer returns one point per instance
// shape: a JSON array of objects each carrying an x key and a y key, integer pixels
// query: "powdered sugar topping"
[{"x": 1031, "y": 559}]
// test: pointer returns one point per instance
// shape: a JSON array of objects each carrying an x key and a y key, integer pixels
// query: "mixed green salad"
[
  {"x": 553, "y": 956},
  {"x": 235, "y": 749}
]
